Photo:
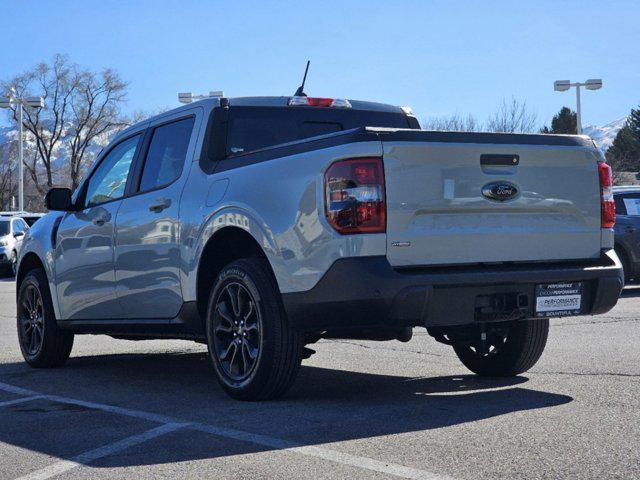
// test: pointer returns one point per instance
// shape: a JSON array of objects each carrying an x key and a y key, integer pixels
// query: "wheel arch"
[
  {"x": 28, "y": 262},
  {"x": 225, "y": 245}
]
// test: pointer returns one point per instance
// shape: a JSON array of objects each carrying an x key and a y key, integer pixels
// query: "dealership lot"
[{"x": 124, "y": 409}]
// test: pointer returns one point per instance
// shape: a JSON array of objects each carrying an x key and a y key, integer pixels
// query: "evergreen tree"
[
  {"x": 625, "y": 150},
  {"x": 565, "y": 121},
  {"x": 634, "y": 122}
]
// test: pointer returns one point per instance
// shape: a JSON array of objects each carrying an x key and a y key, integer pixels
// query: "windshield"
[{"x": 4, "y": 228}]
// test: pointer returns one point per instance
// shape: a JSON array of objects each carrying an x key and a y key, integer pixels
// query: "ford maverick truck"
[{"x": 262, "y": 225}]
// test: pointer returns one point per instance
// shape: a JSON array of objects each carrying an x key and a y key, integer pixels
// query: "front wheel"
[
  {"x": 42, "y": 343},
  {"x": 255, "y": 353},
  {"x": 505, "y": 352}
]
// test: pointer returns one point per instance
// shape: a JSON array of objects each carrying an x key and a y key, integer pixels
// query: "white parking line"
[
  {"x": 19, "y": 400},
  {"x": 173, "y": 424},
  {"x": 320, "y": 452},
  {"x": 153, "y": 417},
  {"x": 101, "y": 452}
]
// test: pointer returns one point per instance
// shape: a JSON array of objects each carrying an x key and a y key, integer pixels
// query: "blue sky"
[{"x": 440, "y": 57}]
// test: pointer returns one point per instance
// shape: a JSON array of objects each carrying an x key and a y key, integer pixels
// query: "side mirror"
[
  {"x": 58, "y": 199},
  {"x": 18, "y": 234}
]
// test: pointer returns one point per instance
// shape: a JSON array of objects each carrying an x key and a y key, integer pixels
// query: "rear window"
[{"x": 253, "y": 128}]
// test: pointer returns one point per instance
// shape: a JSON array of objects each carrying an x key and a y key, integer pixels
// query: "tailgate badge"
[
  {"x": 500, "y": 191},
  {"x": 401, "y": 244}
]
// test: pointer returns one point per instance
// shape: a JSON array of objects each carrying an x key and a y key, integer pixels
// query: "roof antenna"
[{"x": 300, "y": 90}]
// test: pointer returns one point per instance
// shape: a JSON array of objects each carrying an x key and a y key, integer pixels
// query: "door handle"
[{"x": 160, "y": 205}]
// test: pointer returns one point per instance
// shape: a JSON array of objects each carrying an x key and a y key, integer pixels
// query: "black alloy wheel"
[
  {"x": 255, "y": 352},
  {"x": 237, "y": 328},
  {"x": 31, "y": 320},
  {"x": 506, "y": 350},
  {"x": 42, "y": 343}
]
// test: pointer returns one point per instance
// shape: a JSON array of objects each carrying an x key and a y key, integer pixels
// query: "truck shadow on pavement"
[{"x": 324, "y": 406}]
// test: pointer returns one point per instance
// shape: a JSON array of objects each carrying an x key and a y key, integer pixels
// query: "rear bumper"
[{"x": 367, "y": 292}]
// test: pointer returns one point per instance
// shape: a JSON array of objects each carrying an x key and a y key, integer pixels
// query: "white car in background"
[
  {"x": 12, "y": 231},
  {"x": 29, "y": 217}
]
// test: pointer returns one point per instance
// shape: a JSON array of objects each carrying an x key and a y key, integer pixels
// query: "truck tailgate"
[{"x": 546, "y": 203}]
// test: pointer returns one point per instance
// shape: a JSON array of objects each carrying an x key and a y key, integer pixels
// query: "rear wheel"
[
  {"x": 42, "y": 343},
  {"x": 505, "y": 351},
  {"x": 255, "y": 353}
]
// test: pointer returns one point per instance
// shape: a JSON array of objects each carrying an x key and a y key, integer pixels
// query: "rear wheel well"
[
  {"x": 30, "y": 262},
  {"x": 227, "y": 245}
]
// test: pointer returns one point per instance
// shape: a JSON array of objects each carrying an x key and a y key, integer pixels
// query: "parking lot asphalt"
[{"x": 152, "y": 409}]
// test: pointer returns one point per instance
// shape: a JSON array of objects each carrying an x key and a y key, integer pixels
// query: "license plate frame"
[{"x": 558, "y": 299}]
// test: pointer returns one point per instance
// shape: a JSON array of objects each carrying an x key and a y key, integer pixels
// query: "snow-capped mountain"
[{"x": 604, "y": 135}]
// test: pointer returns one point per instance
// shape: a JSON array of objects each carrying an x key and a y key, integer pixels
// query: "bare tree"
[
  {"x": 622, "y": 166},
  {"x": 80, "y": 106},
  {"x": 456, "y": 123},
  {"x": 512, "y": 117},
  {"x": 96, "y": 111},
  {"x": 8, "y": 186}
]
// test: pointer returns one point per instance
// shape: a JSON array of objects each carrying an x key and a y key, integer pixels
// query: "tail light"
[
  {"x": 319, "y": 102},
  {"x": 607, "y": 205},
  {"x": 355, "y": 197}
]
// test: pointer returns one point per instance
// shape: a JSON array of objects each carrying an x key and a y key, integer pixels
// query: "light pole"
[
  {"x": 564, "y": 85},
  {"x": 20, "y": 103}
]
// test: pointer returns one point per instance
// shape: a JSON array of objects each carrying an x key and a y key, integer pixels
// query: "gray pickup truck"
[{"x": 262, "y": 225}]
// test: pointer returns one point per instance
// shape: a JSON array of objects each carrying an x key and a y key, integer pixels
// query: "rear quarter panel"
[{"x": 280, "y": 203}]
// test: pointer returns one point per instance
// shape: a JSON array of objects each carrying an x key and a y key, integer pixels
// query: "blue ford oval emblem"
[{"x": 500, "y": 191}]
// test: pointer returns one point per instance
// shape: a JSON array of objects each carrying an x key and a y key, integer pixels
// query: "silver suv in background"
[
  {"x": 261, "y": 225},
  {"x": 12, "y": 231}
]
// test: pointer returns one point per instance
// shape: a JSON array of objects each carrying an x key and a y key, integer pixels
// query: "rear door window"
[{"x": 166, "y": 154}]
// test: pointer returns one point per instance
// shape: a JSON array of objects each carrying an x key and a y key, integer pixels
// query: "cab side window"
[
  {"x": 108, "y": 181},
  {"x": 166, "y": 154}
]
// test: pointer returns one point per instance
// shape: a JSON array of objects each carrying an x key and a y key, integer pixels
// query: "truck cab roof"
[
  {"x": 284, "y": 102},
  {"x": 274, "y": 101}
]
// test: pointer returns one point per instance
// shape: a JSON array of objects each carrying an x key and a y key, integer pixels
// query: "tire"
[
  {"x": 626, "y": 265},
  {"x": 42, "y": 343},
  {"x": 512, "y": 354},
  {"x": 267, "y": 354}
]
